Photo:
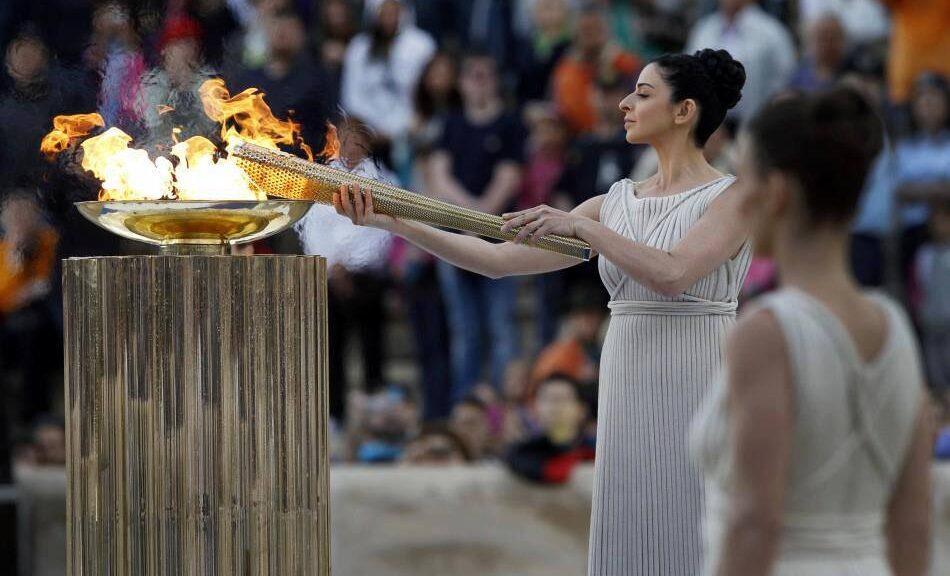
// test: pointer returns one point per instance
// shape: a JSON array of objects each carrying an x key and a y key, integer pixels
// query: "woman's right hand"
[{"x": 356, "y": 204}]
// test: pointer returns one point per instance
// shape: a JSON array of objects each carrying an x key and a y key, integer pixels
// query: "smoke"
[{"x": 357, "y": 248}]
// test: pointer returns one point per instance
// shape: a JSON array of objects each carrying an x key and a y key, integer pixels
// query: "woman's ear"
[
  {"x": 685, "y": 112},
  {"x": 780, "y": 194}
]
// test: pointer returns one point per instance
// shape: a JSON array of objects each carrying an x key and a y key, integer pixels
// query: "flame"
[
  {"x": 196, "y": 169},
  {"x": 198, "y": 176},
  {"x": 331, "y": 151},
  {"x": 126, "y": 173},
  {"x": 65, "y": 128},
  {"x": 252, "y": 118}
]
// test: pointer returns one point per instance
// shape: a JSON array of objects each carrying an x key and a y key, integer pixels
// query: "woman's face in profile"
[{"x": 648, "y": 112}]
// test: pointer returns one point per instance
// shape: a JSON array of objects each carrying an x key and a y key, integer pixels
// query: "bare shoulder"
[
  {"x": 729, "y": 200},
  {"x": 756, "y": 347}
]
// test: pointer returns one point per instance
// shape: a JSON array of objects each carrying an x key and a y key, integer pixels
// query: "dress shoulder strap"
[
  {"x": 868, "y": 397},
  {"x": 716, "y": 188},
  {"x": 614, "y": 195}
]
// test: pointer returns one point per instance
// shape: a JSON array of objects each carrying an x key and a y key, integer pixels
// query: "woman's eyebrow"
[{"x": 644, "y": 84}]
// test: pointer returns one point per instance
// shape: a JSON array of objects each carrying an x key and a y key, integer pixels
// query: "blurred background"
[{"x": 463, "y": 409}]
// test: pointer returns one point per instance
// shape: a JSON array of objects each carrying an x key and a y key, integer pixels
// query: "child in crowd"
[
  {"x": 470, "y": 420},
  {"x": 577, "y": 352},
  {"x": 47, "y": 446},
  {"x": 549, "y": 456},
  {"x": 517, "y": 421},
  {"x": 381, "y": 424},
  {"x": 436, "y": 445},
  {"x": 28, "y": 335}
]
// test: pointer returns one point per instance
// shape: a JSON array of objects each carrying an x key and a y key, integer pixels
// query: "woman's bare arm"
[
  {"x": 716, "y": 237},
  {"x": 760, "y": 417},
  {"x": 468, "y": 252},
  {"x": 909, "y": 511}
]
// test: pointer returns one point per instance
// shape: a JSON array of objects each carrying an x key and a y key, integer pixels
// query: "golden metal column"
[{"x": 196, "y": 410}]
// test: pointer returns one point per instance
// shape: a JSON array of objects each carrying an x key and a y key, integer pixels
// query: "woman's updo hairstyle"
[
  {"x": 713, "y": 78},
  {"x": 827, "y": 142}
]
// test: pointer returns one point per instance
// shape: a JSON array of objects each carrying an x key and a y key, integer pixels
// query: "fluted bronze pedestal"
[{"x": 196, "y": 408}]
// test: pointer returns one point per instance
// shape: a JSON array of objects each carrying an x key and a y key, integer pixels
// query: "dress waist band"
[
  {"x": 807, "y": 534},
  {"x": 688, "y": 308}
]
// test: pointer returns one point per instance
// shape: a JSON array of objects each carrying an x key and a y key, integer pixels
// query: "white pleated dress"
[
  {"x": 659, "y": 358},
  {"x": 853, "y": 423}
]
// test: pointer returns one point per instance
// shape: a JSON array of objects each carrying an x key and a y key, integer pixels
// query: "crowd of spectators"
[{"x": 488, "y": 104}]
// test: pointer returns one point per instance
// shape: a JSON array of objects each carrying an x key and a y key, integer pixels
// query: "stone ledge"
[{"x": 463, "y": 521}]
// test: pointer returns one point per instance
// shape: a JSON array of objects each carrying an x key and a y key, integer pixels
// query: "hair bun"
[
  {"x": 727, "y": 74},
  {"x": 845, "y": 114}
]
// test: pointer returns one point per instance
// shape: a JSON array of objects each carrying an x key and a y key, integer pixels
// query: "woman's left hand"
[{"x": 538, "y": 222}]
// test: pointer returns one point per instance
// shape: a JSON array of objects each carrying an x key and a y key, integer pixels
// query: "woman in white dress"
[
  {"x": 673, "y": 255},
  {"x": 815, "y": 441}
]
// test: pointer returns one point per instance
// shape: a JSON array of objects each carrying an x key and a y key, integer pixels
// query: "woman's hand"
[
  {"x": 538, "y": 222},
  {"x": 357, "y": 205}
]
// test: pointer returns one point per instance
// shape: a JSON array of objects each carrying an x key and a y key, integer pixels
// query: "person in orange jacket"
[
  {"x": 27, "y": 254},
  {"x": 592, "y": 57},
  {"x": 920, "y": 42}
]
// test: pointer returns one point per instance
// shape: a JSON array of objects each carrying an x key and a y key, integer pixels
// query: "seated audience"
[
  {"x": 436, "y": 445},
  {"x": 549, "y": 456}
]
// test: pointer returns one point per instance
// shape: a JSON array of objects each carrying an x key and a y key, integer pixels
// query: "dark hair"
[
  {"x": 591, "y": 8},
  {"x": 477, "y": 51},
  {"x": 826, "y": 141},
  {"x": 441, "y": 428},
  {"x": 471, "y": 399},
  {"x": 713, "y": 78},
  {"x": 288, "y": 13},
  {"x": 349, "y": 29},
  {"x": 425, "y": 103}
]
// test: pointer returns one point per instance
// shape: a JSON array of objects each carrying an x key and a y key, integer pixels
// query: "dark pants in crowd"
[
  {"x": 32, "y": 355},
  {"x": 361, "y": 313},
  {"x": 868, "y": 255},
  {"x": 426, "y": 312},
  {"x": 551, "y": 289},
  {"x": 479, "y": 308}
]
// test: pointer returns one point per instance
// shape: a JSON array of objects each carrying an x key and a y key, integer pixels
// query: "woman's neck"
[
  {"x": 816, "y": 263},
  {"x": 681, "y": 166}
]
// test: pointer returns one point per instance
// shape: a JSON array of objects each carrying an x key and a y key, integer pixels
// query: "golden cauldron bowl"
[{"x": 195, "y": 226}]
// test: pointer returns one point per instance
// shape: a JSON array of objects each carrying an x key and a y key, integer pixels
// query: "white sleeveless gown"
[
  {"x": 852, "y": 427},
  {"x": 658, "y": 359}
]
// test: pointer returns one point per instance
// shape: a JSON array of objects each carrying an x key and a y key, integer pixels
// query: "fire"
[
  {"x": 197, "y": 169},
  {"x": 252, "y": 118},
  {"x": 331, "y": 151},
  {"x": 198, "y": 176},
  {"x": 65, "y": 128},
  {"x": 126, "y": 173}
]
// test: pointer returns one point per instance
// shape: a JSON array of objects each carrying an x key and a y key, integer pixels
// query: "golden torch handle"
[{"x": 287, "y": 176}]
